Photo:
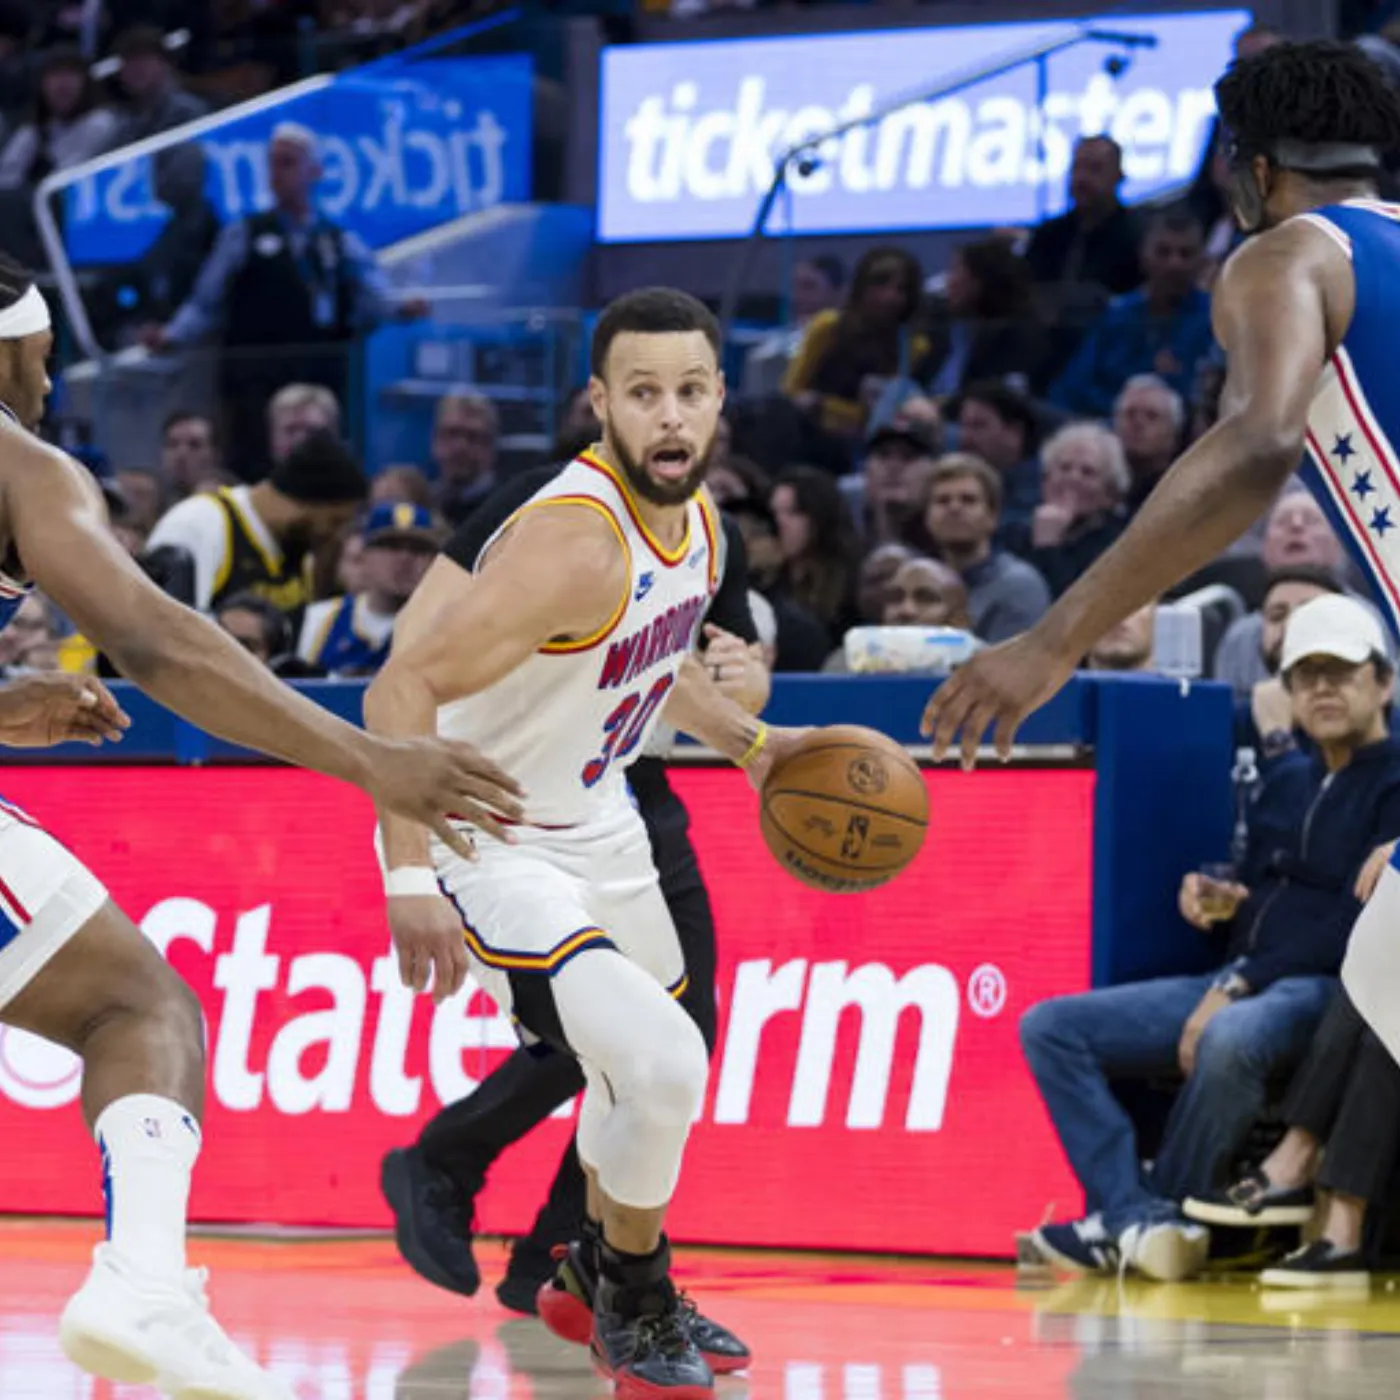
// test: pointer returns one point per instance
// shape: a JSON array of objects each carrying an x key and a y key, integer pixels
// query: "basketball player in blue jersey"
[
  {"x": 1307, "y": 311},
  {"x": 73, "y": 968}
]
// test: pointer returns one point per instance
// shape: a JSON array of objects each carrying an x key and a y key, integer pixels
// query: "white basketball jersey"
[{"x": 568, "y": 722}]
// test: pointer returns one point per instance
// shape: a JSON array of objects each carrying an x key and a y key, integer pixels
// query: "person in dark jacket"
[{"x": 1313, "y": 825}]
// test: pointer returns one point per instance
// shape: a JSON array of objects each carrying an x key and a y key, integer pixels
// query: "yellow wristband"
[{"x": 760, "y": 741}]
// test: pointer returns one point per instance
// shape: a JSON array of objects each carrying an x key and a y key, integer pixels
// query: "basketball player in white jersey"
[
  {"x": 1307, "y": 311},
  {"x": 73, "y": 968},
  {"x": 557, "y": 656}
]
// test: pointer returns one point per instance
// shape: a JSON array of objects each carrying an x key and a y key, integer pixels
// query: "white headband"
[{"x": 28, "y": 316}]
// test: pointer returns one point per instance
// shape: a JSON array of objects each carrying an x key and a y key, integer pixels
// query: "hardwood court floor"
[{"x": 344, "y": 1320}]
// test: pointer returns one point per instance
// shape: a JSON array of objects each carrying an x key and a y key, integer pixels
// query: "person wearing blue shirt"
[{"x": 1162, "y": 329}]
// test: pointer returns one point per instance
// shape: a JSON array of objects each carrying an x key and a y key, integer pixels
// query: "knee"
[
  {"x": 164, "y": 1006},
  {"x": 1229, "y": 1054},
  {"x": 670, "y": 1086},
  {"x": 1042, "y": 1026}
]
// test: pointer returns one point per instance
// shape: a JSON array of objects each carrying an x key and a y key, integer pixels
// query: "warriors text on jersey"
[{"x": 571, "y": 718}]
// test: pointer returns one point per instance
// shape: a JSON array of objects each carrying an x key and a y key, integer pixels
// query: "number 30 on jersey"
[{"x": 624, "y": 729}]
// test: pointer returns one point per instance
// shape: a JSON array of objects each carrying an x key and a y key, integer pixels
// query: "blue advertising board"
[
  {"x": 404, "y": 148},
  {"x": 688, "y": 132}
]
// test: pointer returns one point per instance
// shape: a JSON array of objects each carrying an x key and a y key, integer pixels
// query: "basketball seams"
[
  {"x": 840, "y": 800},
  {"x": 806, "y": 751},
  {"x": 822, "y": 856}
]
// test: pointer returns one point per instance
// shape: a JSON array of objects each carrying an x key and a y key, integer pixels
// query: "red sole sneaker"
[{"x": 564, "y": 1314}]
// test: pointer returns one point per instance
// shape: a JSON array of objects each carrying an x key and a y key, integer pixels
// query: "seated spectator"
[
  {"x": 157, "y": 101},
  {"x": 1084, "y": 482},
  {"x": 926, "y": 593},
  {"x": 1127, "y": 647},
  {"x": 1312, "y": 826},
  {"x": 31, "y": 641},
  {"x": 873, "y": 578},
  {"x": 261, "y": 538},
  {"x": 1164, "y": 329},
  {"x": 1299, "y": 532},
  {"x": 255, "y": 624},
  {"x": 816, "y": 287},
  {"x": 578, "y": 427},
  {"x": 189, "y": 455},
  {"x": 143, "y": 493},
  {"x": 401, "y": 483},
  {"x": 1342, "y": 1112},
  {"x": 465, "y": 427},
  {"x": 68, "y": 125},
  {"x": 818, "y": 545},
  {"x": 1148, "y": 419},
  {"x": 961, "y": 510},
  {"x": 296, "y": 412},
  {"x": 998, "y": 425},
  {"x": 885, "y": 496},
  {"x": 847, "y": 358},
  {"x": 988, "y": 328},
  {"x": 350, "y": 635},
  {"x": 737, "y": 479}
]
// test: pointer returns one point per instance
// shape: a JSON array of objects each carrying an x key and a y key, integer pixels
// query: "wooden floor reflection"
[{"x": 343, "y": 1320}]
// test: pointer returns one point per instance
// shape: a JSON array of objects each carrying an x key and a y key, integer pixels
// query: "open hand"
[
  {"x": 427, "y": 933},
  {"x": 58, "y": 708}
]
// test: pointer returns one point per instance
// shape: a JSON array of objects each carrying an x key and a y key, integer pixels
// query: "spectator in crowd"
[
  {"x": 465, "y": 428},
  {"x": 1089, "y": 253},
  {"x": 350, "y": 635},
  {"x": 926, "y": 593},
  {"x": 257, "y": 625},
  {"x": 848, "y": 357},
  {"x": 1343, "y": 1115},
  {"x": 350, "y": 563},
  {"x": 67, "y": 127},
  {"x": 189, "y": 454},
  {"x": 30, "y": 642},
  {"x": 884, "y": 497},
  {"x": 402, "y": 483},
  {"x": 144, "y": 494},
  {"x": 1249, "y": 651},
  {"x": 738, "y": 478},
  {"x": 1148, "y": 419},
  {"x": 873, "y": 578},
  {"x": 157, "y": 100},
  {"x": 961, "y": 512},
  {"x": 988, "y": 328},
  {"x": 800, "y": 640},
  {"x": 818, "y": 545},
  {"x": 1164, "y": 329},
  {"x": 998, "y": 425},
  {"x": 816, "y": 287},
  {"x": 262, "y": 538},
  {"x": 1128, "y": 646},
  {"x": 1311, "y": 828},
  {"x": 1084, "y": 482},
  {"x": 287, "y": 287},
  {"x": 578, "y": 427},
  {"x": 296, "y": 412},
  {"x": 1299, "y": 532}
]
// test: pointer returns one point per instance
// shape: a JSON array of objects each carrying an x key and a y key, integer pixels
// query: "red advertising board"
[{"x": 868, "y": 1091}]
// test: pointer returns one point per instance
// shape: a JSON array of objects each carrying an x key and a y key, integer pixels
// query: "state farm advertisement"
[{"x": 868, "y": 1091}]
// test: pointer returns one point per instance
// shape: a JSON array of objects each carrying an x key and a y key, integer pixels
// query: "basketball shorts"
[
  {"x": 46, "y": 896},
  {"x": 527, "y": 910}
]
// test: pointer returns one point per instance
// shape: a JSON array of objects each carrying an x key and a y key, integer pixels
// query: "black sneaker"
[
  {"x": 565, "y": 1302},
  {"x": 1319, "y": 1265},
  {"x": 432, "y": 1221},
  {"x": 1253, "y": 1200},
  {"x": 641, "y": 1341}
]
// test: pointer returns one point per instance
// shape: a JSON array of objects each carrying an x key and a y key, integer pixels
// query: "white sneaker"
[
  {"x": 125, "y": 1327},
  {"x": 1168, "y": 1251}
]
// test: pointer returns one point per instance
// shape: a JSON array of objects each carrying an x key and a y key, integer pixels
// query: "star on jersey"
[
  {"x": 1381, "y": 521},
  {"x": 1342, "y": 448},
  {"x": 1362, "y": 485}
]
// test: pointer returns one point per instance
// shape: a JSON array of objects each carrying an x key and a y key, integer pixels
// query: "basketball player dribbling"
[
  {"x": 558, "y": 656},
  {"x": 1307, "y": 311},
  {"x": 73, "y": 968}
]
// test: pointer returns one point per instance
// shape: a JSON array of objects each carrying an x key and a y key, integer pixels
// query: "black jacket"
[{"x": 1310, "y": 832}]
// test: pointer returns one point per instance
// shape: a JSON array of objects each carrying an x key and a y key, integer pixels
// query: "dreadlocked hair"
[
  {"x": 15, "y": 281},
  {"x": 1319, "y": 93}
]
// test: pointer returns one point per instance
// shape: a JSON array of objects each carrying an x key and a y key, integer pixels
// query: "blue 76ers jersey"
[
  {"x": 568, "y": 721},
  {"x": 1352, "y": 463}
]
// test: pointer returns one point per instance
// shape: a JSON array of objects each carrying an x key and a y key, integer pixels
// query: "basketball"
[{"x": 845, "y": 811}]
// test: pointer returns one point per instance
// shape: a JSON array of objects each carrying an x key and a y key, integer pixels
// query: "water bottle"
[{"x": 1176, "y": 642}]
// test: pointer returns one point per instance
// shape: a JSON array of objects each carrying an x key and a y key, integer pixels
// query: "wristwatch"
[{"x": 1232, "y": 985}]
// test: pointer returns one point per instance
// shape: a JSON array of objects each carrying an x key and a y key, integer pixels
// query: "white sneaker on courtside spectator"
[{"x": 128, "y": 1328}]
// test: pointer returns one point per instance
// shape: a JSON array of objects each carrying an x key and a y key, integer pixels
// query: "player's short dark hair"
[
  {"x": 15, "y": 280},
  {"x": 651, "y": 311},
  {"x": 1317, "y": 93}
]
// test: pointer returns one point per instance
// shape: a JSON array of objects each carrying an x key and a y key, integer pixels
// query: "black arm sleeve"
[
  {"x": 729, "y": 608},
  {"x": 469, "y": 538}
]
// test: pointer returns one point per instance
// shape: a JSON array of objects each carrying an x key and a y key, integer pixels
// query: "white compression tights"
[
  {"x": 646, "y": 1066},
  {"x": 1371, "y": 971}
]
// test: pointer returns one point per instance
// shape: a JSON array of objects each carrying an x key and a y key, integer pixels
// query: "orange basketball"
[{"x": 845, "y": 811}]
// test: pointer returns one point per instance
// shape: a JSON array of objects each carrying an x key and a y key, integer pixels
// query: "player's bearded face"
[{"x": 660, "y": 408}]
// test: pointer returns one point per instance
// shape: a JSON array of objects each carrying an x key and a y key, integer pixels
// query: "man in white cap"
[{"x": 288, "y": 280}]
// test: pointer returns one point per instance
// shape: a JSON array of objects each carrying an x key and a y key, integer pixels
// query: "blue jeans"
[{"x": 1075, "y": 1045}]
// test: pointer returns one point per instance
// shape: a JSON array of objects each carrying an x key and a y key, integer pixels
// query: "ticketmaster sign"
[{"x": 688, "y": 133}]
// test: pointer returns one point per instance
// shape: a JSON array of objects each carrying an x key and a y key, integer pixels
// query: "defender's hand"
[
  {"x": 430, "y": 780},
  {"x": 59, "y": 708},
  {"x": 427, "y": 934}
]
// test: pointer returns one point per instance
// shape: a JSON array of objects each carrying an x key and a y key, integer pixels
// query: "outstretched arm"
[{"x": 1272, "y": 317}]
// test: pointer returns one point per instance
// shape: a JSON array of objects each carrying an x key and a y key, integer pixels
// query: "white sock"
[{"x": 149, "y": 1145}]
